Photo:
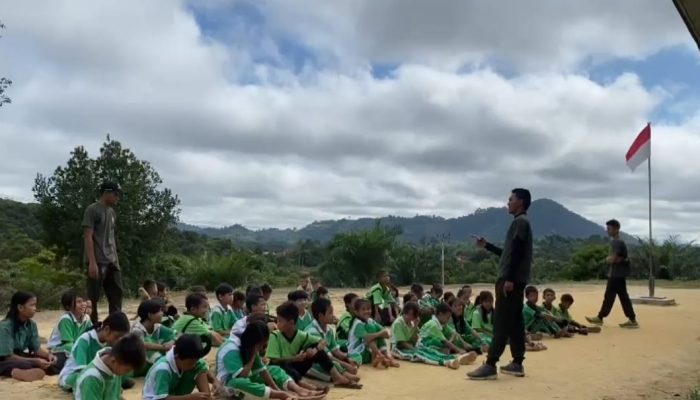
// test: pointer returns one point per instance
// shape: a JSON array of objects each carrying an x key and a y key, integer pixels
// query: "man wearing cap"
[{"x": 101, "y": 250}]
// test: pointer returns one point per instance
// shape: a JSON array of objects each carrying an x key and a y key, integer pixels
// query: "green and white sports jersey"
[
  {"x": 358, "y": 332},
  {"x": 428, "y": 301},
  {"x": 280, "y": 346},
  {"x": 165, "y": 379},
  {"x": 343, "y": 329},
  {"x": 238, "y": 314},
  {"x": 314, "y": 329},
  {"x": 304, "y": 321},
  {"x": 160, "y": 335},
  {"x": 239, "y": 326},
  {"x": 97, "y": 381},
  {"x": 229, "y": 363},
  {"x": 66, "y": 331},
  {"x": 191, "y": 325},
  {"x": 478, "y": 324},
  {"x": 221, "y": 319},
  {"x": 380, "y": 296},
  {"x": 83, "y": 351},
  {"x": 433, "y": 333},
  {"x": 402, "y": 332}
]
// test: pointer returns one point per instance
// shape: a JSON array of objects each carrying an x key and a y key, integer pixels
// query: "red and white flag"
[{"x": 640, "y": 150}]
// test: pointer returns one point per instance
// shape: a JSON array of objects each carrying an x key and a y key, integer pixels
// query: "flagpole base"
[{"x": 654, "y": 301}]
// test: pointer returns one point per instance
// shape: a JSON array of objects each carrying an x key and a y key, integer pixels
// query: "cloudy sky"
[{"x": 278, "y": 113}]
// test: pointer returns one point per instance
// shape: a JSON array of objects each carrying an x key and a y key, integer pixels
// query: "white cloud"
[{"x": 334, "y": 142}]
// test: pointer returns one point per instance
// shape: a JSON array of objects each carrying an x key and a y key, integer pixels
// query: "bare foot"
[
  {"x": 453, "y": 364},
  {"x": 28, "y": 375},
  {"x": 468, "y": 358}
]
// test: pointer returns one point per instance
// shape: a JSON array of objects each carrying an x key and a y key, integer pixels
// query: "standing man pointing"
[
  {"x": 101, "y": 250},
  {"x": 513, "y": 275}
]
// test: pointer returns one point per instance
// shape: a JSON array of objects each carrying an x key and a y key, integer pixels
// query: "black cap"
[{"x": 110, "y": 186}]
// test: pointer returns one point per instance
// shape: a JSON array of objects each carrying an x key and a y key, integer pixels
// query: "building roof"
[{"x": 690, "y": 12}]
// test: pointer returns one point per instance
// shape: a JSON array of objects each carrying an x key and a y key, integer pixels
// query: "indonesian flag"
[{"x": 640, "y": 150}]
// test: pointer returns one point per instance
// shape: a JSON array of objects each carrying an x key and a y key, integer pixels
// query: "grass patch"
[{"x": 693, "y": 394}]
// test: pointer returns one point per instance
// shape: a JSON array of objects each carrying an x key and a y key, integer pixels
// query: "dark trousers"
[
  {"x": 6, "y": 366},
  {"x": 508, "y": 325},
  {"x": 110, "y": 279},
  {"x": 297, "y": 370},
  {"x": 617, "y": 287}
]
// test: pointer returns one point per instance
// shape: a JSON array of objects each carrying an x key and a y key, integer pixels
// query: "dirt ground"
[{"x": 658, "y": 361}]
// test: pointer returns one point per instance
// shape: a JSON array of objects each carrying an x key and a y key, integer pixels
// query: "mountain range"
[{"x": 548, "y": 218}]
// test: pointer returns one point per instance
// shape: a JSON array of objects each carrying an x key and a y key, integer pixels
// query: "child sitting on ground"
[
  {"x": 192, "y": 322},
  {"x": 239, "y": 367},
  {"x": 21, "y": 355},
  {"x": 536, "y": 318},
  {"x": 238, "y": 306},
  {"x": 179, "y": 372},
  {"x": 301, "y": 299},
  {"x": 266, "y": 291},
  {"x": 148, "y": 290},
  {"x": 322, "y": 311},
  {"x": 88, "y": 344},
  {"x": 429, "y": 302},
  {"x": 255, "y": 304},
  {"x": 297, "y": 351},
  {"x": 158, "y": 339},
  {"x": 380, "y": 297},
  {"x": 410, "y": 297},
  {"x": 463, "y": 329},
  {"x": 171, "y": 314},
  {"x": 404, "y": 340},
  {"x": 482, "y": 318},
  {"x": 562, "y": 311},
  {"x": 548, "y": 299},
  {"x": 437, "y": 334},
  {"x": 70, "y": 326},
  {"x": 343, "y": 325},
  {"x": 222, "y": 318},
  {"x": 103, "y": 378},
  {"x": 447, "y": 296},
  {"x": 465, "y": 295},
  {"x": 367, "y": 339}
]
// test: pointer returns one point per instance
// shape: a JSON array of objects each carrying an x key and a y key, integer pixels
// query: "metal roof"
[{"x": 690, "y": 12}]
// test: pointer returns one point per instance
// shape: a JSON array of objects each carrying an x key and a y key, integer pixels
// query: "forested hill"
[{"x": 548, "y": 218}]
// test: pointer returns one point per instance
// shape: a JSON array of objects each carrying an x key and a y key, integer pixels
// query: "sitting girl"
[
  {"x": 21, "y": 356},
  {"x": 482, "y": 318},
  {"x": 70, "y": 326},
  {"x": 88, "y": 344},
  {"x": 367, "y": 341}
]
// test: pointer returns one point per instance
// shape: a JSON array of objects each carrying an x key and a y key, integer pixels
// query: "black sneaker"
[
  {"x": 484, "y": 373},
  {"x": 128, "y": 383},
  {"x": 514, "y": 369}
]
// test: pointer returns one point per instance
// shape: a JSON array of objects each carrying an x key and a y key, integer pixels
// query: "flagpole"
[{"x": 651, "y": 240}]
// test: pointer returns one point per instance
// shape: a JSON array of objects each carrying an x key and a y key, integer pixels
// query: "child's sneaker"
[
  {"x": 514, "y": 369},
  {"x": 484, "y": 373},
  {"x": 630, "y": 324},
  {"x": 453, "y": 364},
  {"x": 594, "y": 320},
  {"x": 466, "y": 359}
]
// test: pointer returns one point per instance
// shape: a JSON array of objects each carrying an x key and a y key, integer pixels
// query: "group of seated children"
[
  {"x": 261, "y": 354},
  {"x": 550, "y": 319}
]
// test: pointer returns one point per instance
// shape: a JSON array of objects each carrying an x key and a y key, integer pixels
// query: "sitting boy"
[
  {"x": 222, "y": 318},
  {"x": 193, "y": 323},
  {"x": 367, "y": 339},
  {"x": 176, "y": 374},
  {"x": 297, "y": 351},
  {"x": 562, "y": 311},
  {"x": 343, "y": 325},
  {"x": 301, "y": 299},
  {"x": 536, "y": 318},
  {"x": 102, "y": 378},
  {"x": 437, "y": 334},
  {"x": 255, "y": 304},
  {"x": 381, "y": 299},
  {"x": 404, "y": 340},
  {"x": 429, "y": 302},
  {"x": 322, "y": 311}
]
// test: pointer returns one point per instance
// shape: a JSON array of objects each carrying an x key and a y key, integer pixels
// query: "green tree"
[
  {"x": 4, "y": 83},
  {"x": 588, "y": 262},
  {"x": 144, "y": 213}
]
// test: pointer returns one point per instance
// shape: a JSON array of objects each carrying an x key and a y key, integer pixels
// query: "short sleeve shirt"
[
  {"x": 97, "y": 381},
  {"x": 164, "y": 378},
  {"x": 25, "y": 339},
  {"x": 191, "y": 325},
  {"x": 380, "y": 296},
  {"x": 344, "y": 325},
  {"x": 478, "y": 324},
  {"x": 434, "y": 330},
  {"x": 229, "y": 363},
  {"x": 621, "y": 269},
  {"x": 314, "y": 329},
  {"x": 221, "y": 319},
  {"x": 402, "y": 332},
  {"x": 280, "y": 346},
  {"x": 102, "y": 220}
]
